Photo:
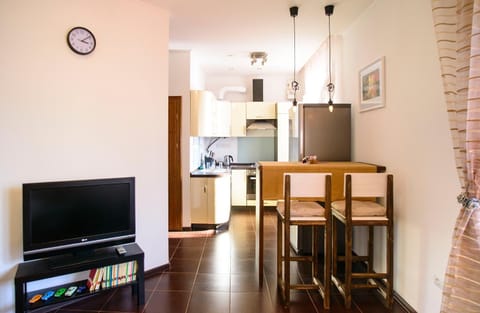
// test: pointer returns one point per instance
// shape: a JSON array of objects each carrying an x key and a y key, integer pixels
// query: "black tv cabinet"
[{"x": 41, "y": 269}]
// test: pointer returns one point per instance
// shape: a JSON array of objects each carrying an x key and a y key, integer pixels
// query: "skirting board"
[
  {"x": 404, "y": 304},
  {"x": 156, "y": 270}
]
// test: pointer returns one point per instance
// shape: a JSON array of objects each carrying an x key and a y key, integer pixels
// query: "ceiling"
[{"x": 221, "y": 34}]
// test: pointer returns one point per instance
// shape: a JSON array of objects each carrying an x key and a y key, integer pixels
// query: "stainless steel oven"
[{"x": 251, "y": 184}]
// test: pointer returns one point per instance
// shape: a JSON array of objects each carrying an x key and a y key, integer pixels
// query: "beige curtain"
[{"x": 457, "y": 26}]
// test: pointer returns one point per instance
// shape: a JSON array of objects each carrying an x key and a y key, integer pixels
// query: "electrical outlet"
[{"x": 438, "y": 282}]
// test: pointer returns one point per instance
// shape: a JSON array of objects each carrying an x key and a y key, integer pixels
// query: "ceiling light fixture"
[
  {"x": 258, "y": 57},
  {"x": 293, "y": 14},
  {"x": 330, "y": 85}
]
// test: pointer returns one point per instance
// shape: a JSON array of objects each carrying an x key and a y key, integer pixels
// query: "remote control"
[{"x": 121, "y": 250}]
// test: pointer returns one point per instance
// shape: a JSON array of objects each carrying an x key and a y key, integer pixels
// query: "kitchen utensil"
[{"x": 227, "y": 160}]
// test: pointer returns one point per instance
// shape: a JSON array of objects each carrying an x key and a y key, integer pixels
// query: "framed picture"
[{"x": 372, "y": 85}]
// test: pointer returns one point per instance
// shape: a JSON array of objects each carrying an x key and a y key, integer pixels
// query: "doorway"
[{"x": 174, "y": 163}]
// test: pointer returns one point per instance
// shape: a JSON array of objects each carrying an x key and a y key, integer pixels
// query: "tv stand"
[
  {"x": 41, "y": 269},
  {"x": 77, "y": 259}
]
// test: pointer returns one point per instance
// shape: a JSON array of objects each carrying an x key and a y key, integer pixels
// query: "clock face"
[{"x": 81, "y": 40}]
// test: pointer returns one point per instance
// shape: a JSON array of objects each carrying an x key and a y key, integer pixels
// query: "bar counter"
[{"x": 270, "y": 184}]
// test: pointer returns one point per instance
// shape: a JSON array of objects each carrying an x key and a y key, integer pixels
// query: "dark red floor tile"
[
  {"x": 151, "y": 282},
  {"x": 123, "y": 301},
  {"x": 211, "y": 302},
  {"x": 192, "y": 242},
  {"x": 216, "y": 265},
  {"x": 175, "y": 281},
  {"x": 243, "y": 265},
  {"x": 184, "y": 265},
  {"x": 245, "y": 282},
  {"x": 167, "y": 302},
  {"x": 243, "y": 302},
  {"x": 190, "y": 253},
  {"x": 212, "y": 282}
]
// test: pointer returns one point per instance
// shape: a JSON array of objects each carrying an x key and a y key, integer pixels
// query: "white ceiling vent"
[{"x": 224, "y": 90}]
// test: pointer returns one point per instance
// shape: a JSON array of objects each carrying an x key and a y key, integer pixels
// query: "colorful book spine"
[{"x": 112, "y": 275}]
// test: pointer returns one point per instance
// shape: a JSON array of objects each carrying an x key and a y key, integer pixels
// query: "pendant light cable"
[
  {"x": 293, "y": 14},
  {"x": 330, "y": 86}
]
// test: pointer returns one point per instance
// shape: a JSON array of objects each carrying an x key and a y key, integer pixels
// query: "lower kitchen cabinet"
[
  {"x": 239, "y": 187},
  {"x": 210, "y": 199}
]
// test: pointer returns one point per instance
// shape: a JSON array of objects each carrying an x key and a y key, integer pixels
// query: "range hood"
[
  {"x": 261, "y": 128},
  {"x": 261, "y": 125}
]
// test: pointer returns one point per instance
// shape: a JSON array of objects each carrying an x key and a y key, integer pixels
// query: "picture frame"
[{"x": 372, "y": 85}]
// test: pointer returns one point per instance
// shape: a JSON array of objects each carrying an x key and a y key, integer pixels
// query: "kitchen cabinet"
[
  {"x": 208, "y": 117},
  {"x": 238, "y": 115},
  {"x": 239, "y": 187},
  {"x": 210, "y": 199},
  {"x": 261, "y": 110},
  {"x": 282, "y": 130}
]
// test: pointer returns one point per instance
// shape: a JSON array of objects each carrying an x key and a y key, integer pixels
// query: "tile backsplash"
[
  {"x": 243, "y": 149},
  {"x": 253, "y": 149}
]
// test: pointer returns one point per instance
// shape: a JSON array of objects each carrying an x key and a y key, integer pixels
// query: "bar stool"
[
  {"x": 299, "y": 207},
  {"x": 363, "y": 194}
]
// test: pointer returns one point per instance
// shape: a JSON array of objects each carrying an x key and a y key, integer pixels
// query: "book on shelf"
[
  {"x": 94, "y": 279},
  {"x": 112, "y": 275}
]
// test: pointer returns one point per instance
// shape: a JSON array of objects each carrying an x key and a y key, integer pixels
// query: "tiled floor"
[{"x": 218, "y": 275}]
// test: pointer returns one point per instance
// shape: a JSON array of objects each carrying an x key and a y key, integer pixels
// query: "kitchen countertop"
[
  {"x": 210, "y": 172},
  {"x": 215, "y": 172}
]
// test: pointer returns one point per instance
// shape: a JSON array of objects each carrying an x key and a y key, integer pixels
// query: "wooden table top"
[{"x": 272, "y": 174}]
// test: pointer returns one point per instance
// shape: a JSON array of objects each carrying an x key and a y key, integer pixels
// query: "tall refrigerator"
[{"x": 314, "y": 130}]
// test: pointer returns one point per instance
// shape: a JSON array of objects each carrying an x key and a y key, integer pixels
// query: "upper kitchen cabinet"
[
  {"x": 208, "y": 117},
  {"x": 261, "y": 110},
  {"x": 238, "y": 119}
]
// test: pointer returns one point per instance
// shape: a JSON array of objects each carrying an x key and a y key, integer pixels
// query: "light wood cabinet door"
[
  {"x": 208, "y": 117},
  {"x": 199, "y": 200},
  {"x": 238, "y": 119},
  {"x": 239, "y": 187},
  {"x": 202, "y": 109},
  {"x": 219, "y": 211},
  {"x": 261, "y": 110},
  {"x": 210, "y": 199}
]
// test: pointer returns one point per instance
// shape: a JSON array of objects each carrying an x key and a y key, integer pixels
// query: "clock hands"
[{"x": 84, "y": 39}]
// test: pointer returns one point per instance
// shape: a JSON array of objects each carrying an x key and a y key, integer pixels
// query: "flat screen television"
[{"x": 77, "y": 217}]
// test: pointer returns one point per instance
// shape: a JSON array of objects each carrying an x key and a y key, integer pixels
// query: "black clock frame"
[{"x": 73, "y": 48}]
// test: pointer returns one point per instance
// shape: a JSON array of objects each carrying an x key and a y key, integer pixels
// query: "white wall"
[
  {"x": 274, "y": 86},
  {"x": 64, "y": 116},
  {"x": 410, "y": 136},
  {"x": 197, "y": 75}
]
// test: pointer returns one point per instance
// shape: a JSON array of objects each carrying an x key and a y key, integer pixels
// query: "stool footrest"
[
  {"x": 363, "y": 286},
  {"x": 369, "y": 275},
  {"x": 355, "y": 258}
]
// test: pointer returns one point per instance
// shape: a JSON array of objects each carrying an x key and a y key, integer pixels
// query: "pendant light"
[
  {"x": 293, "y": 14},
  {"x": 330, "y": 85}
]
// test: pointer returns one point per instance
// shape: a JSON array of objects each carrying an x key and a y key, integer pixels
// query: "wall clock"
[{"x": 81, "y": 40}]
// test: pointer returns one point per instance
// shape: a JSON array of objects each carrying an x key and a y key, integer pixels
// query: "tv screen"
[{"x": 75, "y": 216}]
